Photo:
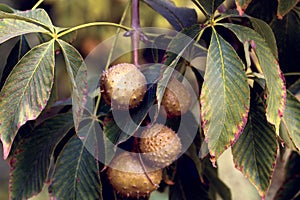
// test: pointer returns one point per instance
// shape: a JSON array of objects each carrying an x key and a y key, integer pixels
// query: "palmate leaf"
[
  {"x": 241, "y": 5},
  {"x": 290, "y": 123},
  {"x": 225, "y": 96},
  {"x": 255, "y": 151},
  {"x": 275, "y": 84},
  {"x": 76, "y": 174},
  {"x": 10, "y": 28},
  {"x": 31, "y": 161},
  {"x": 178, "y": 17},
  {"x": 26, "y": 91},
  {"x": 38, "y": 16},
  {"x": 77, "y": 72},
  {"x": 285, "y": 6}
]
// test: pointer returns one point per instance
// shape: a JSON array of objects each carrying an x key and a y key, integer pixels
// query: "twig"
[
  {"x": 145, "y": 170},
  {"x": 136, "y": 31}
]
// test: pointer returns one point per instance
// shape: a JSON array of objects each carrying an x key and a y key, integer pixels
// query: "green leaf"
[
  {"x": 266, "y": 32},
  {"x": 10, "y": 28},
  {"x": 287, "y": 33},
  {"x": 6, "y": 8},
  {"x": 285, "y": 6},
  {"x": 225, "y": 96},
  {"x": 275, "y": 84},
  {"x": 26, "y": 91},
  {"x": 38, "y": 17},
  {"x": 241, "y": 5},
  {"x": 91, "y": 134},
  {"x": 290, "y": 123},
  {"x": 76, "y": 174},
  {"x": 18, "y": 51},
  {"x": 178, "y": 17},
  {"x": 77, "y": 72},
  {"x": 31, "y": 161},
  {"x": 209, "y": 6},
  {"x": 255, "y": 151}
]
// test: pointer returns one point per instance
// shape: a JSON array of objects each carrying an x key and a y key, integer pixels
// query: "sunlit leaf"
[
  {"x": 10, "y": 28},
  {"x": 241, "y": 5},
  {"x": 31, "y": 161},
  {"x": 178, "y": 17},
  {"x": 275, "y": 84},
  {"x": 285, "y": 6},
  {"x": 290, "y": 123},
  {"x": 18, "y": 51},
  {"x": 77, "y": 72},
  {"x": 255, "y": 151},
  {"x": 38, "y": 17},
  {"x": 26, "y": 91},
  {"x": 76, "y": 173},
  {"x": 225, "y": 96}
]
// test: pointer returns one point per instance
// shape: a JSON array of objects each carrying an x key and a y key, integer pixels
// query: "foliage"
[{"x": 247, "y": 98}]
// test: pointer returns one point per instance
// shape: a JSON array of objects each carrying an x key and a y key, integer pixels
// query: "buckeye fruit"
[
  {"x": 160, "y": 145},
  {"x": 123, "y": 86},
  {"x": 176, "y": 99},
  {"x": 128, "y": 178}
]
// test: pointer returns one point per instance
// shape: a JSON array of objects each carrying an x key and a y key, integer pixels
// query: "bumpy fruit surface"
[
  {"x": 123, "y": 86},
  {"x": 128, "y": 178},
  {"x": 176, "y": 99},
  {"x": 160, "y": 145}
]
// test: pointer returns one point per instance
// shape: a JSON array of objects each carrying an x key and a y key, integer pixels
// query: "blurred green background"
[{"x": 67, "y": 13}]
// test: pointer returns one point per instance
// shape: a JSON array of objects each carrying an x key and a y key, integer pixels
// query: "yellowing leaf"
[
  {"x": 225, "y": 96},
  {"x": 275, "y": 83}
]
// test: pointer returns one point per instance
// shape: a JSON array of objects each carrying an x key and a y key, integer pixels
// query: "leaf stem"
[
  {"x": 292, "y": 74},
  {"x": 136, "y": 31},
  {"x": 93, "y": 24},
  {"x": 116, "y": 38},
  {"x": 37, "y": 4},
  {"x": 110, "y": 54}
]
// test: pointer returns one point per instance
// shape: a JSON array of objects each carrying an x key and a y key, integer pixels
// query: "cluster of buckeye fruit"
[{"x": 123, "y": 86}]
